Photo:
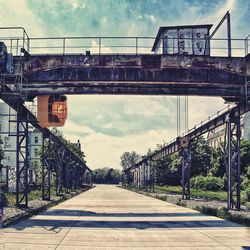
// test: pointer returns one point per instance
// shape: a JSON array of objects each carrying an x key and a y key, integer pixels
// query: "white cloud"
[
  {"x": 100, "y": 148},
  {"x": 18, "y": 14},
  {"x": 104, "y": 150}
]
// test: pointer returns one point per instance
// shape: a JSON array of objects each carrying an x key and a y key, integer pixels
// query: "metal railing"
[
  {"x": 135, "y": 45},
  {"x": 247, "y": 44},
  {"x": 211, "y": 117},
  {"x": 17, "y": 38}
]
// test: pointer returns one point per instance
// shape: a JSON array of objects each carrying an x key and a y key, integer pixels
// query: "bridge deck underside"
[{"x": 135, "y": 74}]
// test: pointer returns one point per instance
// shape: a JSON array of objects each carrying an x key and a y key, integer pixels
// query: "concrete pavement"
[{"x": 108, "y": 217}]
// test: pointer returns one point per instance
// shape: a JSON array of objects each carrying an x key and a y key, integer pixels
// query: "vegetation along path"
[{"x": 108, "y": 217}]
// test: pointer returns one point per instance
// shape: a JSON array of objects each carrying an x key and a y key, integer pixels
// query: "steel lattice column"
[
  {"x": 146, "y": 176},
  {"x": 124, "y": 177},
  {"x": 59, "y": 168},
  {"x": 186, "y": 165},
  {"x": 232, "y": 158},
  {"x": 22, "y": 163},
  {"x": 66, "y": 172},
  {"x": 141, "y": 176},
  {"x": 46, "y": 167},
  {"x": 152, "y": 175}
]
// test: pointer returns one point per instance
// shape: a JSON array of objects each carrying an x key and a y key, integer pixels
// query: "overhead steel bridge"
[{"x": 126, "y": 66}]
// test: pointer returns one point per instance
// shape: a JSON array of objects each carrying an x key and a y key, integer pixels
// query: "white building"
[
  {"x": 8, "y": 137},
  {"x": 7, "y": 132},
  {"x": 35, "y": 152}
]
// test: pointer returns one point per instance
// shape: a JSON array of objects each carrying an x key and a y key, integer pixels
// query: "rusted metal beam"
[
  {"x": 134, "y": 75},
  {"x": 137, "y": 90},
  {"x": 154, "y": 62}
]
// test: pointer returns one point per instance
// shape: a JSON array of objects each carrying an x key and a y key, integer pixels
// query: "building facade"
[
  {"x": 35, "y": 152},
  {"x": 8, "y": 138},
  {"x": 8, "y": 145}
]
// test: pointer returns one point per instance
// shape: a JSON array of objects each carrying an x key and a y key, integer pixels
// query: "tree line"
[
  {"x": 106, "y": 176},
  {"x": 208, "y": 169}
]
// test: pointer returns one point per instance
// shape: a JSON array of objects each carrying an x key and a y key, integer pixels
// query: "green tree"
[
  {"x": 106, "y": 176},
  {"x": 218, "y": 167},
  {"x": 201, "y": 158},
  {"x": 70, "y": 145},
  {"x": 162, "y": 170},
  {"x": 245, "y": 157},
  {"x": 129, "y": 159},
  {"x": 168, "y": 170}
]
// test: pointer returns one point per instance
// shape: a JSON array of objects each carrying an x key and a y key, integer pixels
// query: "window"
[
  {"x": 36, "y": 151},
  {"x": 36, "y": 139}
]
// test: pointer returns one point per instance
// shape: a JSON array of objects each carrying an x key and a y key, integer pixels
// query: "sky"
[{"x": 107, "y": 126}]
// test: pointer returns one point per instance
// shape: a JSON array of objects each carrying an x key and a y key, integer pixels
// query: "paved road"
[{"x": 107, "y": 217}]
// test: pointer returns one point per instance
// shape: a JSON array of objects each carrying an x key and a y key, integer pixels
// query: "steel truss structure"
[
  {"x": 231, "y": 118},
  {"x": 232, "y": 160},
  {"x": 186, "y": 155},
  {"x": 22, "y": 153},
  {"x": 46, "y": 166},
  {"x": 71, "y": 171}
]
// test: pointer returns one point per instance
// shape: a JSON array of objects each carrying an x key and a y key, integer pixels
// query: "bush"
[
  {"x": 3, "y": 200},
  {"x": 247, "y": 194},
  {"x": 207, "y": 183},
  {"x": 245, "y": 182}
]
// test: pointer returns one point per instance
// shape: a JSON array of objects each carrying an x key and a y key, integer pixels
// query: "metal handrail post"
[{"x": 100, "y": 44}]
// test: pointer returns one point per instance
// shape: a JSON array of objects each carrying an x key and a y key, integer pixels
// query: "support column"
[
  {"x": 46, "y": 167},
  {"x": 22, "y": 163},
  {"x": 59, "y": 168},
  {"x": 141, "y": 177},
  {"x": 138, "y": 177},
  {"x": 186, "y": 164},
  {"x": 152, "y": 176},
  {"x": 232, "y": 159},
  {"x": 146, "y": 166},
  {"x": 126, "y": 178}
]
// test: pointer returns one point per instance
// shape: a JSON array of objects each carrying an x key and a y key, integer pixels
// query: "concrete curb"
[
  {"x": 233, "y": 216},
  {"x": 34, "y": 211}
]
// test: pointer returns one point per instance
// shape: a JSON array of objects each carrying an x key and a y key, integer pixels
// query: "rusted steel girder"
[{"x": 134, "y": 74}]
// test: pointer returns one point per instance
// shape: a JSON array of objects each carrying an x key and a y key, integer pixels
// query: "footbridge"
[{"x": 127, "y": 66}]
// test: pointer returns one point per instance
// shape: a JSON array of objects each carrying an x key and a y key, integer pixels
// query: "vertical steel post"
[
  {"x": 144, "y": 175},
  {"x": 63, "y": 46},
  {"x": 46, "y": 167},
  {"x": 136, "y": 45},
  {"x": 100, "y": 45},
  {"x": 186, "y": 165},
  {"x": 22, "y": 163},
  {"x": 232, "y": 158},
  {"x": 59, "y": 167},
  {"x": 151, "y": 171},
  {"x": 229, "y": 41}
]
